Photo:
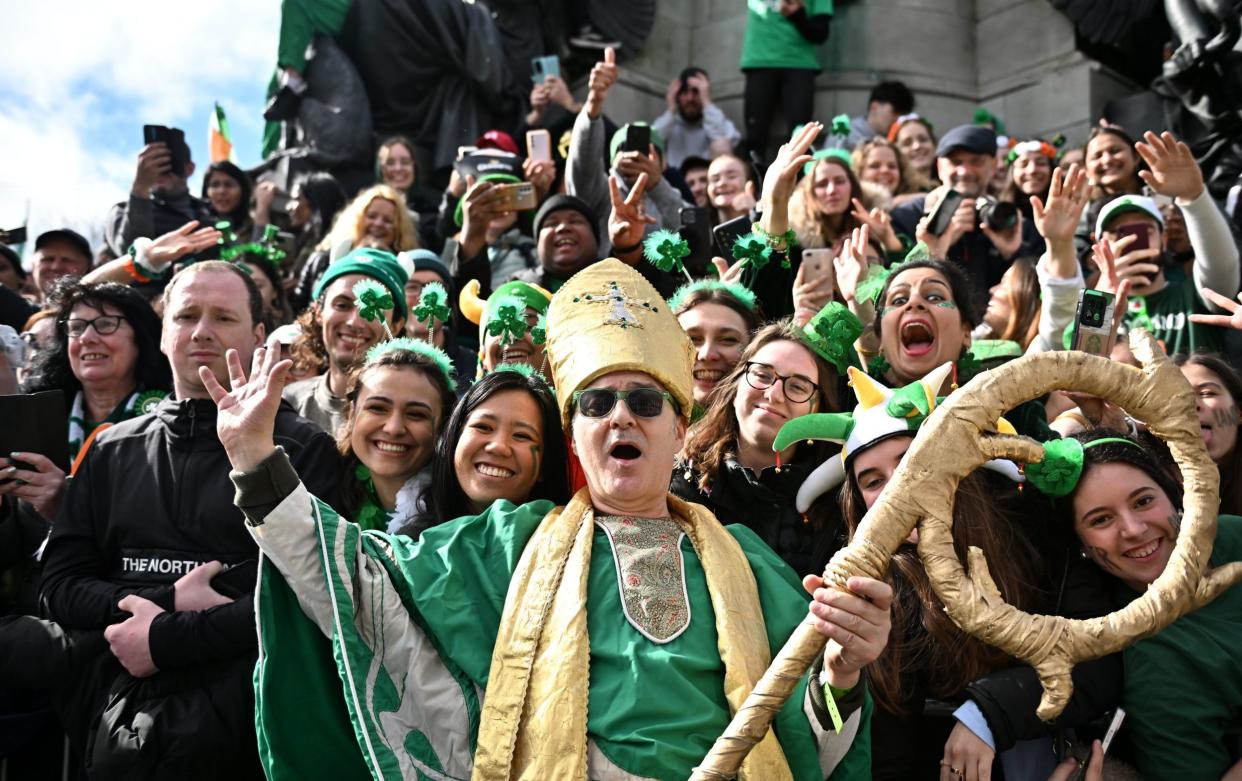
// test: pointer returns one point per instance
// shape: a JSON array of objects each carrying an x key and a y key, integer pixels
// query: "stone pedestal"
[{"x": 1016, "y": 57}]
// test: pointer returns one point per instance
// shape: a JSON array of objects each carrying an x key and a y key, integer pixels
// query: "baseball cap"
[
  {"x": 78, "y": 241},
  {"x": 11, "y": 256},
  {"x": 497, "y": 139},
  {"x": 1127, "y": 203}
]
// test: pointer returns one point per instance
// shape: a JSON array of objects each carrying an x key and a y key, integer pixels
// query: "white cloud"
[{"x": 82, "y": 77}]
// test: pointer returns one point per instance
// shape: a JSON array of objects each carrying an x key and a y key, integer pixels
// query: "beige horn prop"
[{"x": 957, "y": 438}]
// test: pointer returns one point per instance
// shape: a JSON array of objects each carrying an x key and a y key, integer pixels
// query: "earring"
[{"x": 1082, "y": 552}]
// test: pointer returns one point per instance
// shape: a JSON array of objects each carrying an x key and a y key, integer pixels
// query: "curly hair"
[
  {"x": 349, "y": 222},
  {"x": 814, "y": 227},
  {"x": 51, "y": 369},
  {"x": 713, "y": 438},
  {"x": 308, "y": 351}
]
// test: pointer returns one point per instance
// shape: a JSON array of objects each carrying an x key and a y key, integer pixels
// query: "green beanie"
[{"x": 375, "y": 263}]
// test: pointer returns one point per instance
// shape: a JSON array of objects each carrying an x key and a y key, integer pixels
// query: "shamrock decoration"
[
  {"x": 507, "y": 319},
  {"x": 840, "y": 125},
  {"x": 967, "y": 367},
  {"x": 877, "y": 366},
  {"x": 831, "y": 332},
  {"x": 1057, "y": 474},
  {"x": 539, "y": 333},
  {"x": 753, "y": 250},
  {"x": 666, "y": 249},
  {"x": 373, "y": 300},
  {"x": 431, "y": 307}
]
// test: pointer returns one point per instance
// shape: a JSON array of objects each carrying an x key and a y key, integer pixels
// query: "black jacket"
[
  {"x": 153, "y": 217},
  {"x": 765, "y": 504},
  {"x": 976, "y": 253},
  {"x": 151, "y": 501}
]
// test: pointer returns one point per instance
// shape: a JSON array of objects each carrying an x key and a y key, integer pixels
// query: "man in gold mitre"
[{"x": 613, "y": 637}]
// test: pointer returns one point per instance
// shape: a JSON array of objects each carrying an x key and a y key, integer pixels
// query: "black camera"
[{"x": 997, "y": 215}]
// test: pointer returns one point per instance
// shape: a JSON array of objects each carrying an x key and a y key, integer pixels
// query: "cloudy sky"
[{"x": 82, "y": 77}]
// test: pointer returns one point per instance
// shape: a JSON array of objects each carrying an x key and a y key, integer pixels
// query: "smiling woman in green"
[{"x": 681, "y": 619}]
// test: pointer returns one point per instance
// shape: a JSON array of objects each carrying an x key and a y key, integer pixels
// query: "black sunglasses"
[{"x": 642, "y": 402}]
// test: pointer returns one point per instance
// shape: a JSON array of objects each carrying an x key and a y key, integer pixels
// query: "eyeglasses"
[
  {"x": 642, "y": 402},
  {"x": 797, "y": 388},
  {"x": 103, "y": 325}
]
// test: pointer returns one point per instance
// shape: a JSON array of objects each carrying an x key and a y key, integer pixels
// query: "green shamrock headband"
[
  {"x": 506, "y": 318},
  {"x": 264, "y": 250},
  {"x": 437, "y": 356},
  {"x": 1060, "y": 470},
  {"x": 742, "y": 293},
  {"x": 432, "y": 307}
]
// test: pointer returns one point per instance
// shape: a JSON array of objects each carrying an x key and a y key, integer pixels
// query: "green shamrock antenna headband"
[
  {"x": 742, "y": 293},
  {"x": 432, "y": 307},
  {"x": 437, "y": 356},
  {"x": 373, "y": 300},
  {"x": 667, "y": 250},
  {"x": 1058, "y": 473},
  {"x": 507, "y": 319}
]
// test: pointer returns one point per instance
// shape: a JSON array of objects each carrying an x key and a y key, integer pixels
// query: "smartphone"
[
  {"x": 518, "y": 197},
  {"x": 637, "y": 139},
  {"x": 818, "y": 265},
  {"x": 1142, "y": 238},
  {"x": 728, "y": 232},
  {"x": 943, "y": 215},
  {"x": 174, "y": 139},
  {"x": 543, "y": 67},
  {"x": 1114, "y": 725},
  {"x": 696, "y": 229},
  {"x": 539, "y": 145},
  {"x": 13, "y": 236},
  {"x": 1095, "y": 328}
]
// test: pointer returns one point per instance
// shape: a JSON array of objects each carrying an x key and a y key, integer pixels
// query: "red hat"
[{"x": 498, "y": 139}]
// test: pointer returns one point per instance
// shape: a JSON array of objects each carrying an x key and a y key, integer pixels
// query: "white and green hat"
[
  {"x": 881, "y": 413},
  {"x": 1127, "y": 203}
]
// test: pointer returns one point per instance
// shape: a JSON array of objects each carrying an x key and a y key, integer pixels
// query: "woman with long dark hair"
[
  {"x": 226, "y": 189},
  {"x": 501, "y": 442},
  {"x": 104, "y": 357},
  {"x": 1218, "y": 400}
]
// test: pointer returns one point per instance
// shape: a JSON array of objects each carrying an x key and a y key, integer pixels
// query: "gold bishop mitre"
[{"x": 609, "y": 318}]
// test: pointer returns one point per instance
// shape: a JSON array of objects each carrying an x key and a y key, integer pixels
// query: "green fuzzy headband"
[
  {"x": 742, "y": 293},
  {"x": 425, "y": 349},
  {"x": 1060, "y": 470}
]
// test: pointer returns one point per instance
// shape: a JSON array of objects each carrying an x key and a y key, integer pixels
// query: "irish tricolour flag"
[{"x": 219, "y": 140}]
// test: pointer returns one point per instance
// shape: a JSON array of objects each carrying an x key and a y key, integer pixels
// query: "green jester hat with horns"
[{"x": 881, "y": 413}]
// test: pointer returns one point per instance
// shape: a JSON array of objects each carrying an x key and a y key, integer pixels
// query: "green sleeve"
[
  {"x": 459, "y": 574},
  {"x": 300, "y": 22}
]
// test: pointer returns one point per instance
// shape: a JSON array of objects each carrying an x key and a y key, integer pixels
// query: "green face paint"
[{"x": 947, "y": 305}]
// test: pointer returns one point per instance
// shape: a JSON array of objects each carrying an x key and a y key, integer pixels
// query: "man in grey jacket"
[
  {"x": 586, "y": 176},
  {"x": 693, "y": 126}
]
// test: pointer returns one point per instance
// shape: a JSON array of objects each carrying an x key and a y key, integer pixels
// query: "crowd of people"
[{"x": 497, "y": 478}]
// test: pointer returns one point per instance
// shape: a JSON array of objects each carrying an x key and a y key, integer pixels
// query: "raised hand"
[
  {"x": 174, "y": 245},
  {"x": 246, "y": 416},
  {"x": 1231, "y": 320},
  {"x": 1067, "y": 197},
  {"x": 154, "y": 160},
  {"x": 627, "y": 221},
  {"x": 1140, "y": 266},
  {"x": 851, "y": 264},
  {"x": 603, "y": 76},
  {"x": 782, "y": 177},
  {"x": 1174, "y": 171},
  {"x": 727, "y": 273},
  {"x": 540, "y": 173}
]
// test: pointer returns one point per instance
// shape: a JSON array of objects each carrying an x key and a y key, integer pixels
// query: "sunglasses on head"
[{"x": 642, "y": 402}]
